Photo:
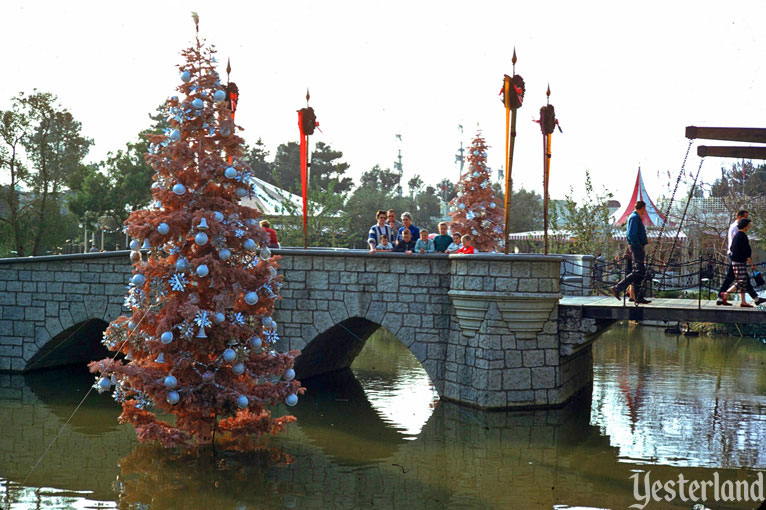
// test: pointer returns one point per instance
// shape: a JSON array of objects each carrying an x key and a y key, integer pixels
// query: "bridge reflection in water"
[{"x": 374, "y": 438}]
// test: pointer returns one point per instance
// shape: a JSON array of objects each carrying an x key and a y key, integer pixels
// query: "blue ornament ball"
[
  {"x": 185, "y": 76},
  {"x": 132, "y": 325},
  {"x": 135, "y": 244},
  {"x": 172, "y": 397},
  {"x": 218, "y": 216},
  {"x": 256, "y": 342},
  {"x": 230, "y": 172},
  {"x": 229, "y": 355},
  {"x": 224, "y": 253},
  {"x": 241, "y": 192},
  {"x": 219, "y": 317},
  {"x": 197, "y": 103},
  {"x": 250, "y": 222},
  {"x": 175, "y": 135},
  {"x": 166, "y": 337},
  {"x": 291, "y": 399},
  {"x": 491, "y": 205},
  {"x": 104, "y": 383},
  {"x": 170, "y": 381},
  {"x": 182, "y": 264},
  {"x": 202, "y": 270},
  {"x": 179, "y": 189},
  {"x": 219, "y": 96},
  {"x": 251, "y": 298},
  {"x": 138, "y": 280},
  {"x": 238, "y": 368},
  {"x": 475, "y": 153},
  {"x": 289, "y": 374},
  {"x": 249, "y": 244},
  {"x": 242, "y": 402},
  {"x": 461, "y": 206},
  {"x": 200, "y": 238},
  {"x": 163, "y": 228}
]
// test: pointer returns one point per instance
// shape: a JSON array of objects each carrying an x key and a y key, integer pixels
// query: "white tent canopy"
[{"x": 272, "y": 200}]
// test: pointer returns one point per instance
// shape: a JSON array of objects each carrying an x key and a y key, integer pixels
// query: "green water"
[{"x": 378, "y": 437}]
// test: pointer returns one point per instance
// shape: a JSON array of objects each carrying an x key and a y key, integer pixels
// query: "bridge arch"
[
  {"x": 336, "y": 347},
  {"x": 77, "y": 344}
]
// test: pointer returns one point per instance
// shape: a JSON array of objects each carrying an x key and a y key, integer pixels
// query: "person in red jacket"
[
  {"x": 467, "y": 245},
  {"x": 273, "y": 243}
]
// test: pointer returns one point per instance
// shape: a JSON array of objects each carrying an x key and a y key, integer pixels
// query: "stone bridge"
[{"x": 487, "y": 328}]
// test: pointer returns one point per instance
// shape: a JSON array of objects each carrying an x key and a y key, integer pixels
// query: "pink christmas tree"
[
  {"x": 199, "y": 342},
  {"x": 476, "y": 210}
]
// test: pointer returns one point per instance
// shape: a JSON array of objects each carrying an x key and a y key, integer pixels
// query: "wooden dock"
[{"x": 664, "y": 309}]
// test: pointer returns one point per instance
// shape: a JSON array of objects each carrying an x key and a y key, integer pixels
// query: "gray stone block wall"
[
  {"x": 485, "y": 327},
  {"x": 42, "y": 297}
]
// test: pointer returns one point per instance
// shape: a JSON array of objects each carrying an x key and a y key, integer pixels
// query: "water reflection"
[
  {"x": 378, "y": 438},
  {"x": 681, "y": 401}
]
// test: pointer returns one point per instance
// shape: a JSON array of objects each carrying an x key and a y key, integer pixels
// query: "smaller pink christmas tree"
[{"x": 476, "y": 210}]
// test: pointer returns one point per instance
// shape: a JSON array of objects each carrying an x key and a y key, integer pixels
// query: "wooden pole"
[
  {"x": 732, "y": 152},
  {"x": 546, "y": 179},
  {"x": 507, "y": 91},
  {"x": 753, "y": 135}
]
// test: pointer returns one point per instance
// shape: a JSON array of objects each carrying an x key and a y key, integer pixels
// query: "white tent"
[{"x": 272, "y": 200}]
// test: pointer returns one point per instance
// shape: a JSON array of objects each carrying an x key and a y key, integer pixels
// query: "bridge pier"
[{"x": 485, "y": 327}]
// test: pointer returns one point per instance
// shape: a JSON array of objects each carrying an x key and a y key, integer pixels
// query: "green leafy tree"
[
  {"x": 381, "y": 178},
  {"x": 446, "y": 190},
  {"x": 255, "y": 156},
  {"x": 106, "y": 194},
  {"x": 324, "y": 224},
  {"x": 325, "y": 168},
  {"x": 415, "y": 185},
  {"x": 743, "y": 186},
  {"x": 377, "y": 191},
  {"x": 53, "y": 149},
  {"x": 588, "y": 221},
  {"x": 13, "y": 126}
]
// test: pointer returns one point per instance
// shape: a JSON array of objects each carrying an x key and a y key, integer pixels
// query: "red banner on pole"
[{"x": 304, "y": 168}]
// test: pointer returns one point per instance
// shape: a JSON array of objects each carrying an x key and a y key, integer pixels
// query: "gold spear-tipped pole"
[
  {"x": 546, "y": 173},
  {"x": 510, "y": 140}
]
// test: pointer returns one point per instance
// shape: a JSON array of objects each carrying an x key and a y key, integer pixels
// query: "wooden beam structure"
[
  {"x": 752, "y": 135},
  {"x": 732, "y": 152}
]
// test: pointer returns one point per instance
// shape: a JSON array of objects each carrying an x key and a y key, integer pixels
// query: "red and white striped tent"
[{"x": 653, "y": 216}]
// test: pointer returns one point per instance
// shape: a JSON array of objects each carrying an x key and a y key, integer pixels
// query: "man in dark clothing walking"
[
  {"x": 636, "y": 237},
  {"x": 729, "y": 278}
]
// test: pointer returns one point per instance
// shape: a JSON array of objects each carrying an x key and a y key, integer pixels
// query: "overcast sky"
[{"x": 625, "y": 78}]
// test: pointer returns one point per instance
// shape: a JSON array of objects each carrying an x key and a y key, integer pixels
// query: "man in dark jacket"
[{"x": 636, "y": 237}]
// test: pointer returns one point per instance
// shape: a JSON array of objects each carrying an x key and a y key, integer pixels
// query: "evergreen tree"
[
  {"x": 476, "y": 210},
  {"x": 199, "y": 341}
]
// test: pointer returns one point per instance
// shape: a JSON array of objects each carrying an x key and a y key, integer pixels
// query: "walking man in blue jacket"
[{"x": 636, "y": 237}]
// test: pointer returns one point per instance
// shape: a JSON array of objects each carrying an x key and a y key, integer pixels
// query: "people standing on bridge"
[
  {"x": 636, "y": 237},
  {"x": 395, "y": 224},
  {"x": 407, "y": 225},
  {"x": 729, "y": 278},
  {"x": 273, "y": 241},
  {"x": 443, "y": 240},
  {"x": 741, "y": 254},
  {"x": 407, "y": 244},
  {"x": 379, "y": 229}
]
